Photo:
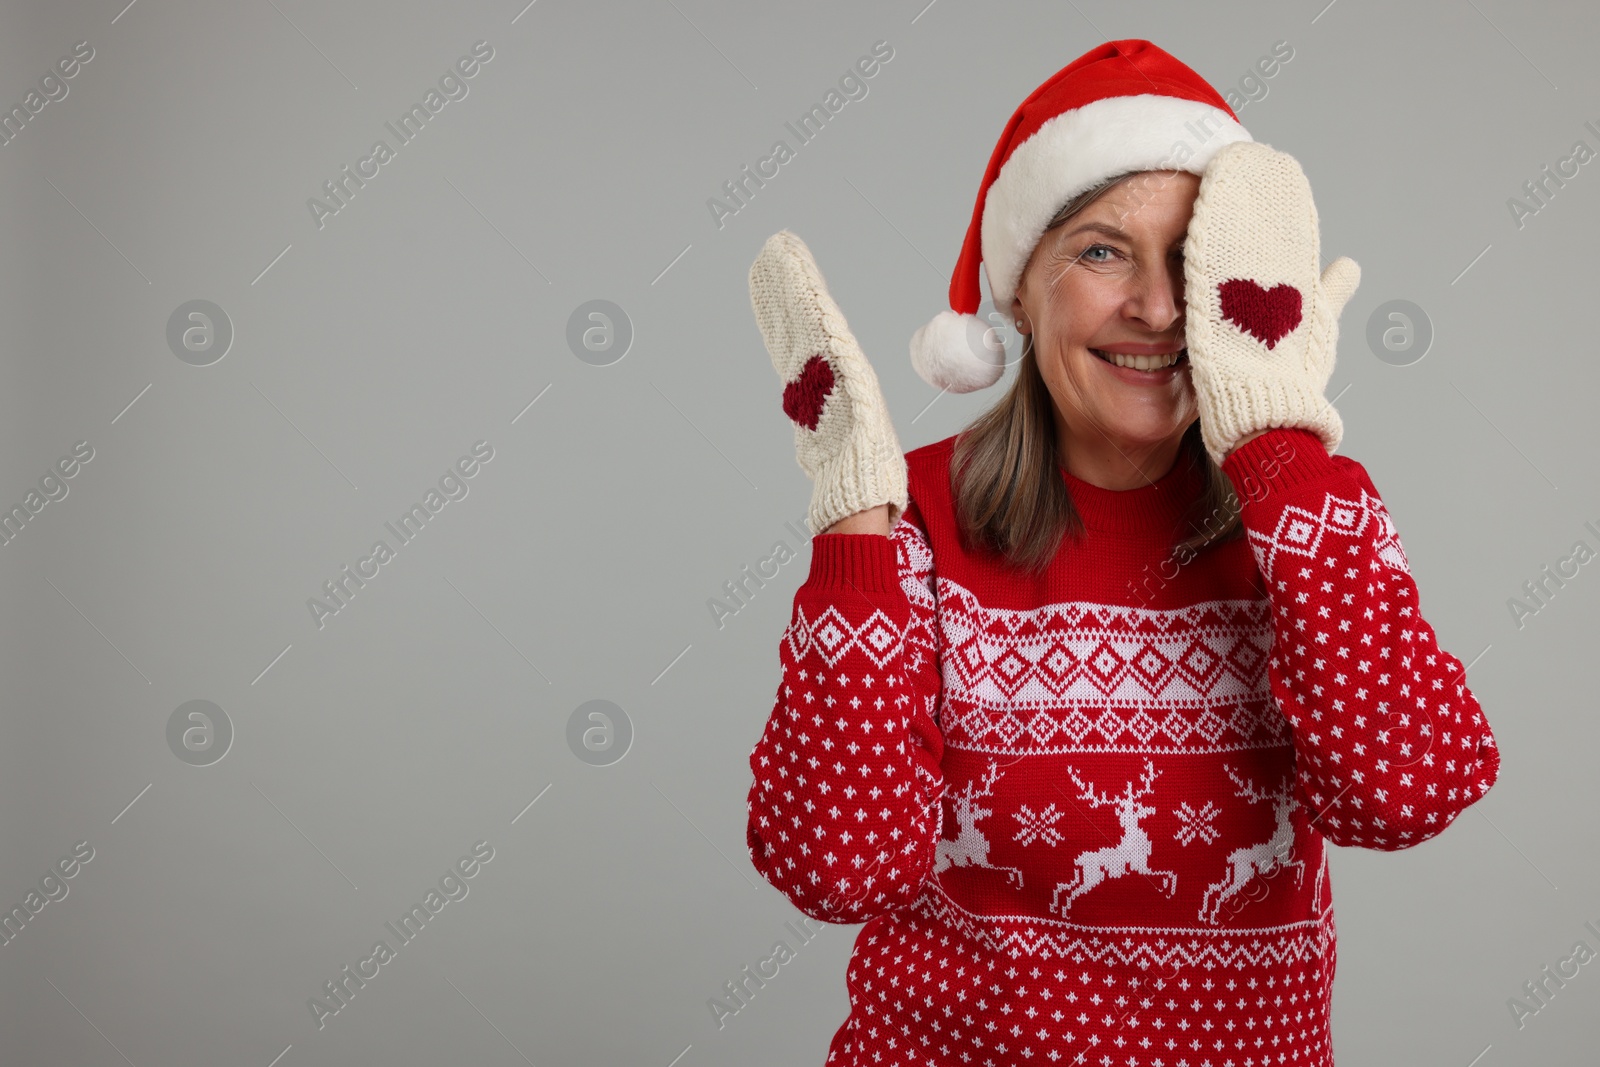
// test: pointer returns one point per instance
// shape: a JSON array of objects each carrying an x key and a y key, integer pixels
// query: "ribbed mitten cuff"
[
  {"x": 864, "y": 475},
  {"x": 1240, "y": 406}
]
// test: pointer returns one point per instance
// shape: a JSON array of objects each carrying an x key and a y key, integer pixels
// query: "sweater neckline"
[{"x": 1155, "y": 508}]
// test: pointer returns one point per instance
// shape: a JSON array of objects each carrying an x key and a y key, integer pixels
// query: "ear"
[{"x": 1019, "y": 316}]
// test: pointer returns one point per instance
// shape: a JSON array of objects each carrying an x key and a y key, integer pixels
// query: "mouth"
[
  {"x": 1146, "y": 364},
  {"x": 1144, "y": 367}
]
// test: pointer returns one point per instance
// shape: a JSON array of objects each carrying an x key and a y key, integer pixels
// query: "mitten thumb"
[{"x": 1339, "y": 282}]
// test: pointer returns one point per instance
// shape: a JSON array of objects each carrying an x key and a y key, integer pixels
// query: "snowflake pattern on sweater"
[{"x": 1083, "y": 816}]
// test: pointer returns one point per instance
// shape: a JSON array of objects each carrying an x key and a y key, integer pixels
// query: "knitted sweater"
[{"x": 1083, "y": 816}]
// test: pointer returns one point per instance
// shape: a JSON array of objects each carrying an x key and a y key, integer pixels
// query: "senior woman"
[{"x": 1074, "y": 700}]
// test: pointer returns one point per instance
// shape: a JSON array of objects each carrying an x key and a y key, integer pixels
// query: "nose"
[{"x": 1155, "y": 296}]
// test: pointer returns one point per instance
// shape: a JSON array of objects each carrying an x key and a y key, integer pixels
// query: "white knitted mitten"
[
  {"x": 842, "y": 434},
  {"x": 1262, "y": 322}
]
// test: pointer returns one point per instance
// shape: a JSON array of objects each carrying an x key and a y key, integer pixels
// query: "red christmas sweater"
[{"x": 1084, "y": 816}]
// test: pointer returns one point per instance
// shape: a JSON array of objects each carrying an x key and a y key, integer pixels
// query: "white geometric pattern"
[
  {"x": 1086, "y": 652},
  {"x": 1196, "y": 823},
  {"x": 1255, "y": 722},
  {"x": 831, "y": 636},
  {"x": 1300, "y": 532},
  {"x": 916, "y": 567},
  {"x": 1038, "y": 826},
  {"x": 1102, "y": 677},
  {"x": 1186, "y": 946}
]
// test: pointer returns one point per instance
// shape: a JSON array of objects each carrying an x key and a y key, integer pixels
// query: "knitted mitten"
[
  {"x": 1262, "y": 325},
  {"x": 842, "y": 434}
]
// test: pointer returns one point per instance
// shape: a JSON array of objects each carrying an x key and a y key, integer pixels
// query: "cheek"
[
  {"x": 1070, "y": 374},
  {"x": 1079, "y": 306},
  {"x": 1072, "y": 315}
]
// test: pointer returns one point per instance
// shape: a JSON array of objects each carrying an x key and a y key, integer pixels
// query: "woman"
[{"x": 1073, "y": 701}]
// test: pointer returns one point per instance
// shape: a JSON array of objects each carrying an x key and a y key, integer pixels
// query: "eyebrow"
[
  {"x": 1100, "y": 227},
  {"x": 1108, "y": 230}
]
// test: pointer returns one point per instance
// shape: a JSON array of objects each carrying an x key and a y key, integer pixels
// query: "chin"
[{"x": 1145, "y": 431}]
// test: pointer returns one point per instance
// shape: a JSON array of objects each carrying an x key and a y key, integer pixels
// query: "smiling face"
[{"x": 1107, "y": 286}]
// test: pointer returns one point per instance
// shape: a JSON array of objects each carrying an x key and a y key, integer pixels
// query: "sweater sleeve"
[
  {"x": 844, "y": 810},
  {"x": 1390, "y": 745}
]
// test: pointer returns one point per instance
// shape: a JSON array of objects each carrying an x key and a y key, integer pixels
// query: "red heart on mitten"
[
  {"x": 1267, "y": 314},
  {"x": 803, "y": 398}
]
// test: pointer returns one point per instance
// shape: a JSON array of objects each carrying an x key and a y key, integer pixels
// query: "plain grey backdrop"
[{"x": 443, "y": 704}]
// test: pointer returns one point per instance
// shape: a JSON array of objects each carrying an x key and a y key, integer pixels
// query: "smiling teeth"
[{"x": 1140, "y": 362}]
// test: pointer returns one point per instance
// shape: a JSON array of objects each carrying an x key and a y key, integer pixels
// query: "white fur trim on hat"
[
  {"x": 1078, "y": 149},
  {"x": 961, "y": 353}
]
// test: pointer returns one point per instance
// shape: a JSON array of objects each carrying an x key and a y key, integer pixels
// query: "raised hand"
[
  {"x": 1262, "y": 317},
  {"x": 843, "y": 438}
]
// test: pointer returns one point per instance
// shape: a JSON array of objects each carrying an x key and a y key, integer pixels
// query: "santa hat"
[{"x": 1125, "y": 106}]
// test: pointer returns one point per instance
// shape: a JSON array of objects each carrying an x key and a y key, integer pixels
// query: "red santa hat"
[{"x": 1122, "y": 107}]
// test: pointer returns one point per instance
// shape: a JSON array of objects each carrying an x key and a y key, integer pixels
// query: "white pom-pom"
[{"x": 961, "y": 353}]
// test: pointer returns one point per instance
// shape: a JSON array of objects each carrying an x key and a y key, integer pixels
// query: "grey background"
[{"x": 433, "y": 309}]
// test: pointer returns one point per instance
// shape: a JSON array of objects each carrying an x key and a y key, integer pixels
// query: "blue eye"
[{"x": 1091, "y": 248}]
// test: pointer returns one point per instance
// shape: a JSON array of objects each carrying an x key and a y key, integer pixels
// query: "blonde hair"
[{"x": 1005, "y": 471}]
